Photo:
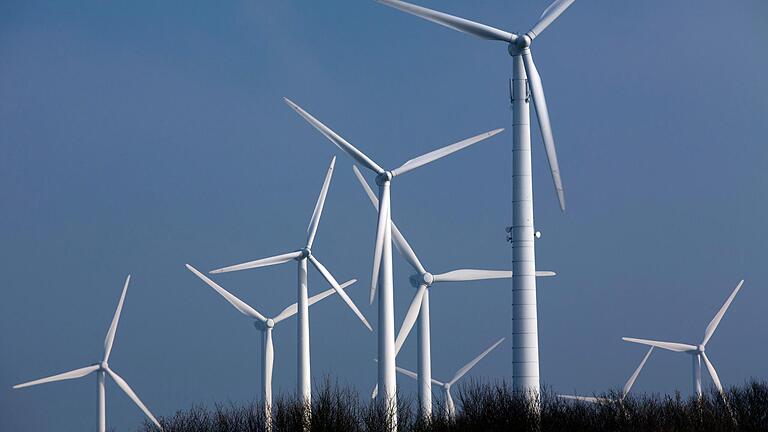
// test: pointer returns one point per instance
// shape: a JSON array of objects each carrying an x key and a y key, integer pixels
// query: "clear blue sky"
[{"x": 136, "y": 137}]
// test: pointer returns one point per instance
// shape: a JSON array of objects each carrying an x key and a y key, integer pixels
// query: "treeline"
[{"x": 491, "y": 407}]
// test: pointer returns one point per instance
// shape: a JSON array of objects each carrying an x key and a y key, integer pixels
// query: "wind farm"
[{"x": 181, "y": 145}]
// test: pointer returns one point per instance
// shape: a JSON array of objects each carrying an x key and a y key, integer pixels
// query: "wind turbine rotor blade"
[
  {"x": 339, "y": 290},
  {"x": 348, "y": 148},
  {"x": 464, "y": 275},
  {"x": 293, "y": 309},
  {"x": 548, "y": 16},
  {"x": 315, "y": 221},
  {"x": 406, "y": 372},
  {"x": 399, "y": 241},
  {"x": 449, "y": 402},
  {"x": 110, "y": 339},
  {"x": 460, "y": 24},
  {"x": 366, "y": 188},
  {"x": 542, "y": 115},
  {"x": 719, "y": 316},
  {"x": 73, "y": 374},
  {"x": 405, "y": 249},
  {"x": 131, "y": 394},
  {"x": 410, "y": 318},
  {"x": 378, "y": 250},
  {"x": 581, "y": 398},
  {"x": 672, "y": 346},
  {"x": 263, "y": 262},
  {"x": 442, "y": 152},
  {"x": 375, "y": 391},
  {"x": 464, "y": 369},
  {"x": 234, "y": 301},
  {"x": 631, "y": 381},
  {"x": 713, "y": 374}
]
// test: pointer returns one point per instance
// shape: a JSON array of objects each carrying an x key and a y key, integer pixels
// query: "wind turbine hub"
[
  {"x": 428, "y": 278},
  {"x": 523, "y": 42},
  {"x": 384, "y": 177},
  {"x": 305, "y": 253},
  {"x": 270, "y": 323},
  {"x": 701, "y": 348},
  {"x": 103, "y": 365}
]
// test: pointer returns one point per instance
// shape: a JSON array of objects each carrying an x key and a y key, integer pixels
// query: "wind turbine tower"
[{"x": 525, "y": 85}]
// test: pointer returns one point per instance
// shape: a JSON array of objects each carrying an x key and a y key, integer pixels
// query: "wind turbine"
[
  {"x": 303, "y": 255},
  {"x": 624, "y": 391},
  {"x": 525, "y": 77},
  {"x": 450, "y": 408},
  {"x": 266, "y": 325},
  {"x": 382, "y": 261},
  {"x": 697, "y": 351},
  {"x": 419, "y": 308},
  {"x": 102, "y": 369}
]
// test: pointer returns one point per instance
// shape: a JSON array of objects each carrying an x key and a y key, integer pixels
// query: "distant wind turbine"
[
  {"x": 303, "y": 255},
  {"x": 624, "y": 391},
  {"x": 524, "y": 86},
  {"x": 382, "y": 261},
  {"x": 450, "y": 407},
  {"x": 102, "y": 369},
  {"x": 419, "y": 307},
  {"x": 265, "y": 325},
  {"x": 697, "y": 351}
]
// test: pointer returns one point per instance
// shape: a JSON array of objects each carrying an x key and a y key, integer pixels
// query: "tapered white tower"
[{"x": 524, "y": 86}]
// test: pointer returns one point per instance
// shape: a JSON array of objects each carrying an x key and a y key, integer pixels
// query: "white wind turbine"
[
  {"x": 266, "y": 325},
  {"x": 382, "y": 261},
  {"x": 450, "y": 408},
  {"x": 697, "y": 351},
  {"x": 419, "y": 307},
  {"x": 102, "y": 369},
  {"x": 525, "y": 77},
  {"x": 304, "y": 381},
  {"x": 624, "y": 391}
]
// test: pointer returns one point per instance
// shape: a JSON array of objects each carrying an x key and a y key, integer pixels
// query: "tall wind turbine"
[
  {"x": 525, "y": 77},
  {"x": 450, "y": 408},
  {"x": 265, "y": 325},
  {"x": 419, "y": 308},
  {"x": 102, "y": 369},
  {"x": 382, "y": 260},
  {"x": 304, "y": 382},
  {"x": 627, "y": 386},
  {"x": 697, "y": 351}
]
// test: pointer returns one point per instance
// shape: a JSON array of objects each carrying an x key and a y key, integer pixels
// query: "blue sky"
[{"x": 137, "y": 137}]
